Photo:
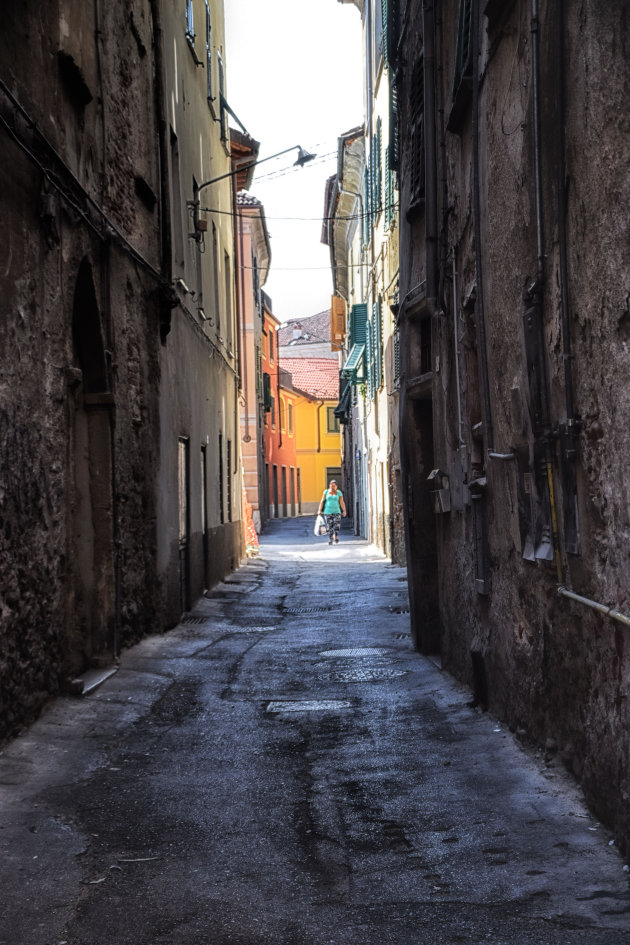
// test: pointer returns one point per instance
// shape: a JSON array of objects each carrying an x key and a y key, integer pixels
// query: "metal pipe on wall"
[
  {"x": 430, "y": 187},
  {"x": 594, "y": 605},
  {"x": 479, "y": 306}
]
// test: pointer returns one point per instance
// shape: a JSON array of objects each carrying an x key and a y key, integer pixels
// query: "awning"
[
  {"x": 354, "y": 364},
  {"x": 342, "y": 410}
]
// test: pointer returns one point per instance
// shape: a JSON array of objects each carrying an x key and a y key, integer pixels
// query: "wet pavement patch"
[{"x": 309, "y": 705}]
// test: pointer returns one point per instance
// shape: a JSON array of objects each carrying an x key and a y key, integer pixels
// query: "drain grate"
[
  {"x": 194, "y": 620},
  {"x": 358, "y": 651},
  {"x": 402, "y": 636},
  {"x": 307, "y": 610},
  {"x": 399, "y": 610},
  {"x": 364, "y": 675},
  {"x": 315, "y": 705}
]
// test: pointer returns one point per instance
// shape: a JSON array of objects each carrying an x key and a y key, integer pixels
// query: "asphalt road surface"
[{"x": 283, "y": 769}]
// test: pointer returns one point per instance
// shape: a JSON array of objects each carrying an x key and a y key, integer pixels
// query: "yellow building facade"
[{"x": 315, "y": 385}]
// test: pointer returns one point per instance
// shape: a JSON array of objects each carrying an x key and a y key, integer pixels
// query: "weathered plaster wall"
[
  {"x": 77, "y": 476},
  {"x": 553, "y": 669}
]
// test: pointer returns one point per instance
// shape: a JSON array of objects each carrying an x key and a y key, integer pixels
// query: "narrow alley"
[{"x": 284, "y": 768}]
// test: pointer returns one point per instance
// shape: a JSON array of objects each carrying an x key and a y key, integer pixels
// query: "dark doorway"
[
  {"x": 284, "y": 491},
  {"x": 423, "y": 559},
  {"x": 183, "y": 480},
  {"x": 92, "y": 555}
]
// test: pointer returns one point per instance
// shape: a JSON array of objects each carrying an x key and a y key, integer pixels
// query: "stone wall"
[
  {"x": 79, "y": 334},
  {"x": 553, "y": 669}
]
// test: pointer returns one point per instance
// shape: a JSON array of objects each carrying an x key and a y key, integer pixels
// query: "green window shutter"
[
  {"x": 388, "y": 190},
  {"x": 394, "y": 134},
  {"x": 352, "y": 369},
  {"x": 377, "y": 345},
  {"x": 358, "y": 321},
  {"x": 384, "y": 17},
  {"x": 378, "y": 168},
  {"x": 267, "y": 395},
  {"x": 369, "y": 358},
  {"x": 367, "y": 211}
]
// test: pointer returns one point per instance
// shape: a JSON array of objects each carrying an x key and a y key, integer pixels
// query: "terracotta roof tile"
[{"x": 318, "y": 377}]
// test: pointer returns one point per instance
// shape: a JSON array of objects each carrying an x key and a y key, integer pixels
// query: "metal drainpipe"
[
  {"x": 430, "y": 188},
  {"x": 460, "y": 440},
  {"x": 602, "y": 608},
  {"x": 562, "y": 212},
  {"x": 540, "y": 274},
  {"x": 479, "y": 307},
  {"x": 245, "y": 384}
]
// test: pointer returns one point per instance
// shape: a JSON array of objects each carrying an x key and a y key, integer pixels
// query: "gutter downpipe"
[
  {"x": 243, "y": 327},
  {"x": 560, "y": 72},
  {"x": 479, "y": 307},
  {"x": 164, "y": 203},
  {"x": 430, "y": 187},
  {"x": 540, "y": 276},
  {"x": 460, "y": 440}
]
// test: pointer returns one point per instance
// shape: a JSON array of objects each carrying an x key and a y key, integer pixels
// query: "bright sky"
[{"x": 294, "y": 75}]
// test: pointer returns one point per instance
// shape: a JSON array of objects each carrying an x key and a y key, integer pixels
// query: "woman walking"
[{"x": 332, "y": 508}]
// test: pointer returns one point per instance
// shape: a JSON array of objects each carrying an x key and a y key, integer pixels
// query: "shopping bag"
[{"x": 320, "y": 526}]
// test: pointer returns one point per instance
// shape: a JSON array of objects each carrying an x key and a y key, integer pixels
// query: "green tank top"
[{"x": 331, "y": 505}]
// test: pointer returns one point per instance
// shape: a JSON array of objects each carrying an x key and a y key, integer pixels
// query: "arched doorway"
[{"x": 91, "y": 533}]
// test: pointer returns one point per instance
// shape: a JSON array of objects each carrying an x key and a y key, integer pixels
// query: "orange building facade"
[{"x": 281, "y": 472}]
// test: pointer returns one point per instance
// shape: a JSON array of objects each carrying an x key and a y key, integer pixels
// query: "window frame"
[{"x": 335, "y": 427}]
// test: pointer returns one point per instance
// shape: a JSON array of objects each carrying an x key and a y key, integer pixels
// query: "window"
[
  {"x": 390, "y": 191},
  {"x": 367, "y": 206},
  {"x": 190, "y": 22},
  {"x": 376, "y": 172},
  {"x": 290, "y": 417},
  {"x": 462, "y": 79},
  {"x": 215, "y": 277},
  {"x": 282, "y": 412},
  {"x": 272, "y": 408},
  {"x": 270, "y": 335},
  {"x": 333, "y": 421},
  {"x": 228, "y": 297}
]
